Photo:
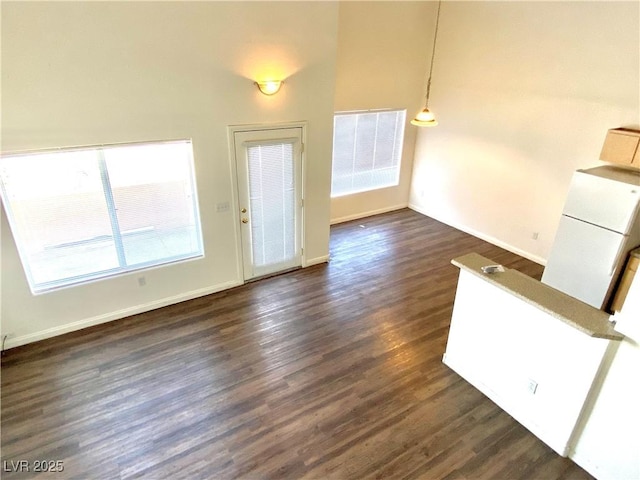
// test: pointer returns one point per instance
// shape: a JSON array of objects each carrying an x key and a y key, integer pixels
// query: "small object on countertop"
[{"x": 489, "y": 269}]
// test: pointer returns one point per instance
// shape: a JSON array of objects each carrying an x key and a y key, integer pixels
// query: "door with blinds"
[{"x": 269, "y": 168}]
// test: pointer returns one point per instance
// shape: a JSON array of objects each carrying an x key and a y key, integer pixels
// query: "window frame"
[
  {"x": 117, "y": 235},
  {"x": 402, "y": 125}
]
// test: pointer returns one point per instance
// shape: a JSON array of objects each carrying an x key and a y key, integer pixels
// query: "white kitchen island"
[{"x": 533, "y": 350}]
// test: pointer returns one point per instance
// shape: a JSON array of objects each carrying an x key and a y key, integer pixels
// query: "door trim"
[{"x": 235, "y": 200}]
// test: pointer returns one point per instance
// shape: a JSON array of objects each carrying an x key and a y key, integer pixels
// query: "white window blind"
[
  {"x": 86, "y": 213},
  {"x": 367, "y": 149},
  {"x": 272, "y": 198}
]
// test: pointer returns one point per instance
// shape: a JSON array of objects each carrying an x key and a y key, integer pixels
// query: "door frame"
[{"x": 235, "y": 194}]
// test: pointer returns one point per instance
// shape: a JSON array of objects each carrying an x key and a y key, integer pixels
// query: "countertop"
[{"x": 573, "y": 312}]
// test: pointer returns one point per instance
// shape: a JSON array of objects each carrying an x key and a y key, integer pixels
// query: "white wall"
[
  {"x": 82, "y": 73},
  {"x": 524, "y": 93},
  {"x": 383, "y": 49}
]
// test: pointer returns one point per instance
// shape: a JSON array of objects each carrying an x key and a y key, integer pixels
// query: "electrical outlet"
[
  {"x": 142, "y": 281},
  {"x": 532, "y": 386},
  {"x": 535, "y": 235}
]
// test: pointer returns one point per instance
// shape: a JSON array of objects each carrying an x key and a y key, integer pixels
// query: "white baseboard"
[
  {"x": 587, "y": 463},
  {"x": 315, "y": 261},
  {"x": 487, "y": 238},
  {"x": 108, "y": 317},
  {"x": 369, "y": 213}
]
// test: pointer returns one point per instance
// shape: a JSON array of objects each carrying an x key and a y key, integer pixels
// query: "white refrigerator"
[{"x": 600, "y": 224}]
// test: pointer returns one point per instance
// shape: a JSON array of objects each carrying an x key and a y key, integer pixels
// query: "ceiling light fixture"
[
  {"x": 425, "y": 118},
  {"x": 269, "y": 87}
]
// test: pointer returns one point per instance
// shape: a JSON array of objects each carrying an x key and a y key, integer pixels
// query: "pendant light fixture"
[{"x": 425, "y": 118}]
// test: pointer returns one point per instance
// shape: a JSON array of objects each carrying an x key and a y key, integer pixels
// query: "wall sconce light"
[{"x": 269, "y": 87}]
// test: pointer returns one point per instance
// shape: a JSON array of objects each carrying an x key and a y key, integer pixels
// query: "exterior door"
[{"x": 269, "y": 166}]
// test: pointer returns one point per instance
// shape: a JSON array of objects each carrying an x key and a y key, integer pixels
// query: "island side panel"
[{"x": 534, "y": 366}]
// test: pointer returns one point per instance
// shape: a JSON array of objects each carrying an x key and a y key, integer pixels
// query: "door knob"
[
  {"x": 245, "y": 220},
  {"x": 244, "y": 210}
]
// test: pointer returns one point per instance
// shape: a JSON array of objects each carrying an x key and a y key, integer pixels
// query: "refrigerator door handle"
[{"x": 617, "y": 260}]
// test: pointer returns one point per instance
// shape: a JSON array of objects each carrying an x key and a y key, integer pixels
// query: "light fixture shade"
[
  {"x": 269, "y": 87},
  {"x": 424, "y": 119}
]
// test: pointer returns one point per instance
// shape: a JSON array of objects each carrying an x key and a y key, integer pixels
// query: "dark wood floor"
[{"x": 328, "y": 372}]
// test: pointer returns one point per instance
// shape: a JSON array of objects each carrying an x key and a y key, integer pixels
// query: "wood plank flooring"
[{"x": 332, "y": 371}]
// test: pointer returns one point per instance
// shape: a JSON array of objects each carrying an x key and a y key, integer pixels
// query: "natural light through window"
[
  {"x": 367, "y": 148},
  {"x": 86, "y": 213}
]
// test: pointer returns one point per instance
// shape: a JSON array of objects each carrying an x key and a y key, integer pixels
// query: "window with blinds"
[
  {"x": 85, "y": 213},
  {"x": 367, "y": 148}
]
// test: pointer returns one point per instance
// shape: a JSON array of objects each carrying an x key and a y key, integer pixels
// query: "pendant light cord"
[{"x": 433, "y": 53}]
